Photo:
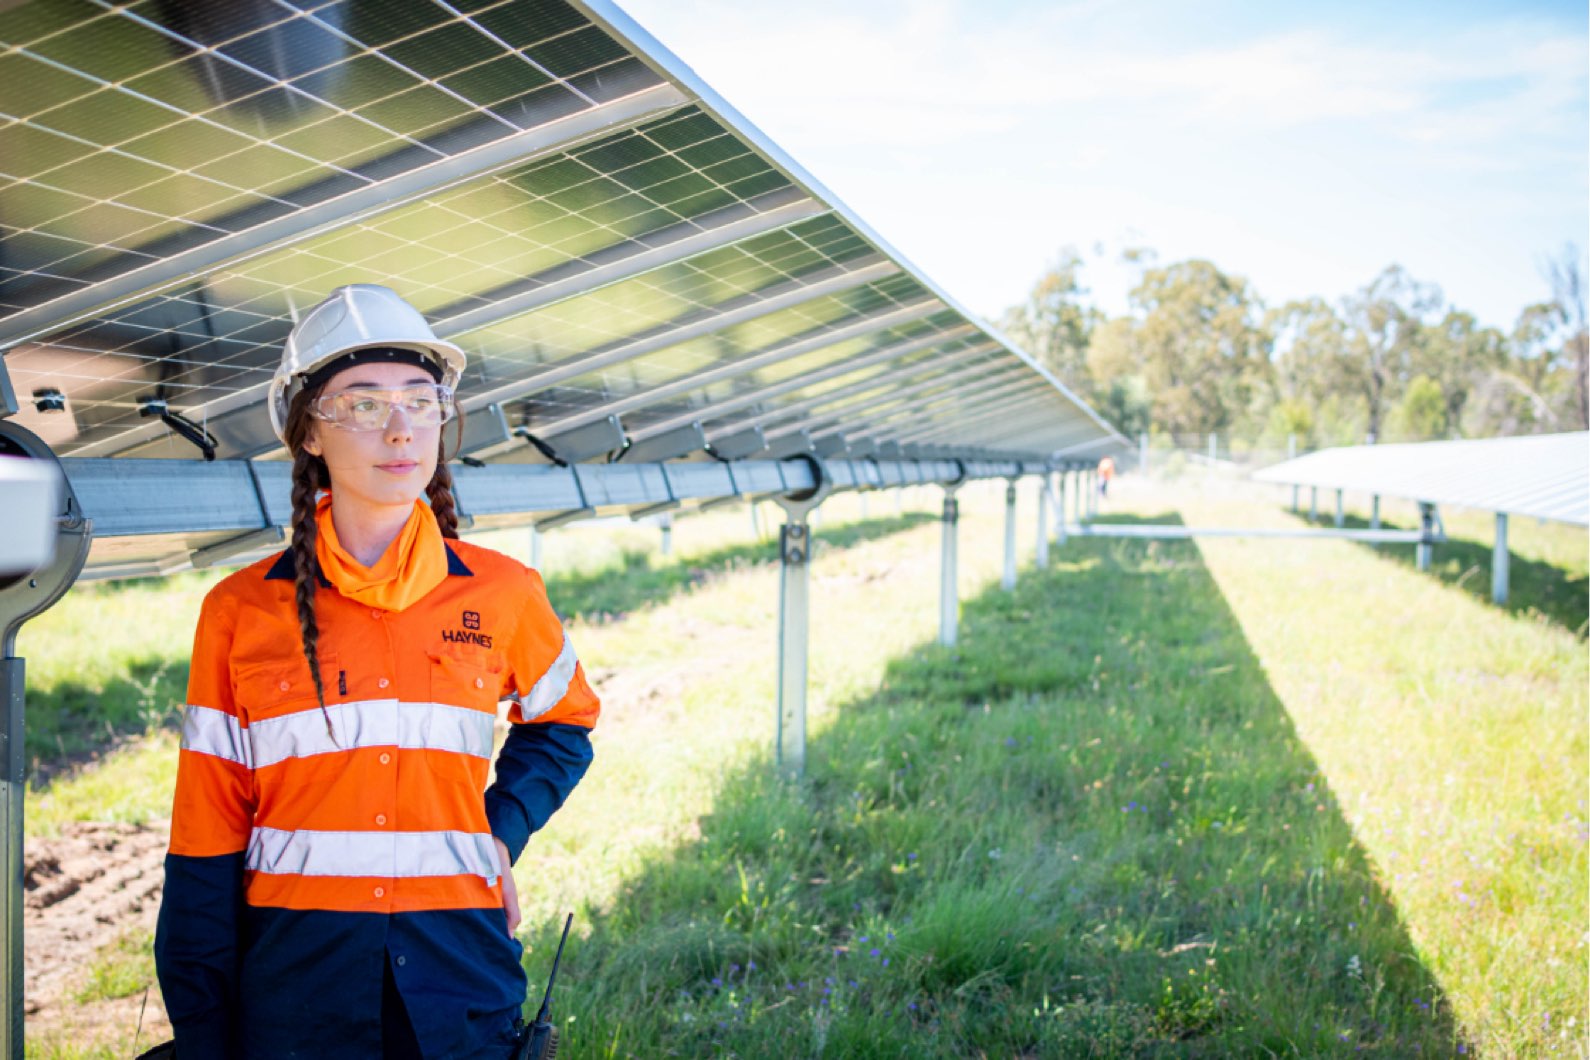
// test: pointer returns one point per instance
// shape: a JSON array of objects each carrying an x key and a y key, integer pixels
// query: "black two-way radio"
[{"x": 539, "y": 1041}]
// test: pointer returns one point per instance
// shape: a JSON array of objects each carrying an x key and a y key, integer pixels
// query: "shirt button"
[
  {"x": 375, "y": 612},
  {"x": 380, "y": 892},
  {"x": 385, "y": 758},
  {"x": 480, "y": 682},
  {"x": 380, "y": 818},
  {"x": 284, "y": 686},
  {"x": 383, "y": 683},
  {"x": 401, "y": 961}
]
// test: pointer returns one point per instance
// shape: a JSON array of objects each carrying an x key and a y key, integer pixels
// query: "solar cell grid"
[
  {"x": 604, "y": 274},
  {"x": 470, "y": 243},
  {"x": 131, "y": 132}
]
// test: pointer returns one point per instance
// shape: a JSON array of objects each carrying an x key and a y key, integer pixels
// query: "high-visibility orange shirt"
[{"x": 386, "y": 812}]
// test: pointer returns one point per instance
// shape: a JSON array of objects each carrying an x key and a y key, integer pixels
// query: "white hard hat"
[{"x": 360, "y": 316}]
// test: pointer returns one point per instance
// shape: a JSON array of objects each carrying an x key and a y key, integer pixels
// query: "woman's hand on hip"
[{"x": 510, "y": 893}]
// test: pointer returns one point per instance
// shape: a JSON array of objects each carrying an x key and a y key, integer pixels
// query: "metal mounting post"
[
  {"x": 949, "y": 584},
  {"x": 1499, "y": 561},
  {"x": 1009, "y": 579},
  {"x": 1294, "y": 499},
  {"x": 1093, "y": 493},
  {"x": 1060, "y": 506},
  {"x": 1426, "y": 534},
  {"x": 1041, "y": 554},
  {"x": 1374, "y": 513},
  {"x": 1313, "y": 504},
  {"x": 665, "y": 523},
  {"x": 795, "y": 556},
  {"x": 1341, "y": 516},
  {"x": 22, "y": 597},
  {"x": 535, "y": 547},
  {"x": 1076, "y": 496}
]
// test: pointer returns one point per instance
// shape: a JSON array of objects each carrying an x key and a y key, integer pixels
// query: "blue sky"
[{"x": 1303, "y": 146}]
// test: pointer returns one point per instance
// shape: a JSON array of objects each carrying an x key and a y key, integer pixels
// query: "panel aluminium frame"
[
  {"x": 697, "y": 323},
  {"x": 1022, "y": 419},
  {"x": 360, "y": 204},
  {"x": 852, "y": 394},
  {"x": 694, "y": 325},
  {"x": 870, "y": 324},
  {"x": 636, "y": 257},
  {"x": 950, "y": 368},
  {"x": 836, "y": 371},
  {"x": 625, "y": 29},
  {"x": 1004, "y": 401},
  {"x": 1021, "y": 402},
  {"x": 1034, "y": 422},
  {"x": 991, "y": 382},
  {"x": 851, "y": 421}
]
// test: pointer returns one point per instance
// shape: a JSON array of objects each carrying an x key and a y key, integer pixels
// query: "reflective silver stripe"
[
  {"x": 215, "y": 732},
  {"x": 552, "y": 687},
  {"x": 380, "y": 854},
  {"x": 372, "y": 723}
]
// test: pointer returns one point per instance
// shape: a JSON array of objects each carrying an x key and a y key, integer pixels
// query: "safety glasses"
[{"x": 370, "y": 408}]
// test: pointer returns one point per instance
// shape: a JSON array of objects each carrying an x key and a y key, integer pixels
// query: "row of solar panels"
[
  {"x": 1544, "y": 476},
  {"x": 631, "y": 266}
]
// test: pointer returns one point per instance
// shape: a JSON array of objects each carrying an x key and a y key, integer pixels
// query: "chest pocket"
[
  {"x": 271, "y": 689},
  {"x": 467, "y": 683}
]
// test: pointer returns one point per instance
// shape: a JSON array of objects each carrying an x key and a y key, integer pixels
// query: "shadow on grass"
[
  {"x": 1090, "y": 830},
  {"x": 1559, "y": 595},
  {"x": 73, "y": 724},
  {"x": 644, "y": 579}
]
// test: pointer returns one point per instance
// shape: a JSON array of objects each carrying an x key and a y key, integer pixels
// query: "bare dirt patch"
[{"x": 82, "y": 891}]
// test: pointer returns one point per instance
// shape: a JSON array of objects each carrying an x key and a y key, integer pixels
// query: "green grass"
[
  {"x": 1548, "y": 565},
  {"x": 121, "y": 969},
  {"x": 1233, "y": 798},
  {"x": 107, "y": 663},
  {"x": 1090, "y": 830}
]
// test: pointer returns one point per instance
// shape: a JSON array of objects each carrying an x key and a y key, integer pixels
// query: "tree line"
[{"x": 1199, "y": 351}]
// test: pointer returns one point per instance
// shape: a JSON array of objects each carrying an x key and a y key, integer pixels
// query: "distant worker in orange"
[{"x": 1106, "y": 472}]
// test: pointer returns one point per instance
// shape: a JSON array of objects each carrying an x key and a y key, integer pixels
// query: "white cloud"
[{"x": 980, "y": 140}]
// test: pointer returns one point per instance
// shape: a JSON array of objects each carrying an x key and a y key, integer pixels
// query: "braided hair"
[{"x": 310, "y": 476}]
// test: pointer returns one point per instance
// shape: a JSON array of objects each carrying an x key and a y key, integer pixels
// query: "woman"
[{"x": 337, "y": 884}]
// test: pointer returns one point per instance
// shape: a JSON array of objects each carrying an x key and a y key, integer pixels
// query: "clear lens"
[{"x": 370, "y": 408}]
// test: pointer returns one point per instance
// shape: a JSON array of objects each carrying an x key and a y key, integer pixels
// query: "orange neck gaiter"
[{"x": 413, "y": 564}]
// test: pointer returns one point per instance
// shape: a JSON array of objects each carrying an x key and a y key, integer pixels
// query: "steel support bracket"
[
  {"x": 795, "y": 556},
  {"x": 22, "y": 597}
]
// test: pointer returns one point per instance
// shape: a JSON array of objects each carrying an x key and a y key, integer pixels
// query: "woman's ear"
[{"x": 312, "y": 444}]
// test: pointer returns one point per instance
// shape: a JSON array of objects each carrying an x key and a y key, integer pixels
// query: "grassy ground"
[{"x": 1237, "y": 798}]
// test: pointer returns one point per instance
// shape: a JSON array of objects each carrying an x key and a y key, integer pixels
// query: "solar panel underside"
[
  {"x": 1546, "y": 476},
  {"x": 601, "y": 235}
]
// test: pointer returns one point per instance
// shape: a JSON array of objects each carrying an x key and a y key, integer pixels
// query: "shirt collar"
[{"x": 286, "y": 568}]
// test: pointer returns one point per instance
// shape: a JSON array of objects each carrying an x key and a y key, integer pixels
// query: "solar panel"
[
  {"x": 1545, "y": 476},
  {"x": 623, "y": 257}
]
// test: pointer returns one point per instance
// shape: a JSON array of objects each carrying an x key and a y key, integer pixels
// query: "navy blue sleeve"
[
  {"x": 196, "y": 952},
  {"x": 538, "y": 766}
]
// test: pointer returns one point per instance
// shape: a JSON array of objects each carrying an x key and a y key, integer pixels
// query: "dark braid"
[
  {"x": 440, "y": 489},
  {"x": 309, "y": 473},
  {"x": 440, "y": 492}
]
